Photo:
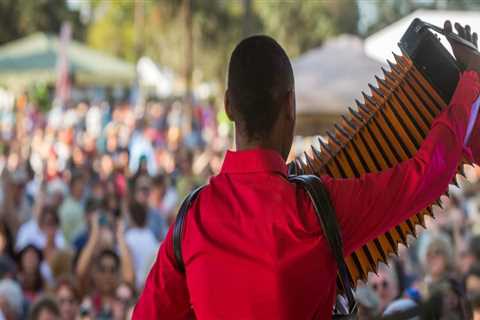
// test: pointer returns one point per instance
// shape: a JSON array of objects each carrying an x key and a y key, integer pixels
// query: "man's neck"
[{"x": 242, "y": 143}]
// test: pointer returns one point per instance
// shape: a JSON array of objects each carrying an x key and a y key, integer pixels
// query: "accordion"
[{"x": 387, "y": 128}]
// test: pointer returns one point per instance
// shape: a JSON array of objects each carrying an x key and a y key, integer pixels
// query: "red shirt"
[{"x": 253, "y": 248}]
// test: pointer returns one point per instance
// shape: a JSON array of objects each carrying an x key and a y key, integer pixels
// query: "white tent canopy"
[
  {"x": 380, "y": 45},
  {"x": 329, "y": 78},
  {"x": 151, "y": 75}
]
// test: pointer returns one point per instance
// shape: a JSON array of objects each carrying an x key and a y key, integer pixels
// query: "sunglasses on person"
[
  {"x": 383, "y": 285},
  {"x": 62, "y": 301},
  {"x": 435, "y": 253},
  {"x": 107, "y": 269},
  {"x": 124, "y": 300}
]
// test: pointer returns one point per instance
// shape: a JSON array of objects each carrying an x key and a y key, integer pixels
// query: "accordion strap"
[
  {"x": 449, "y": 35},
  {"x": 327, "y": 218},
  {"x": 178, "y": 227}
]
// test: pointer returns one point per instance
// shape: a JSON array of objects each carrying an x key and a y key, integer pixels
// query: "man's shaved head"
[{"x": 259, "y": 77}]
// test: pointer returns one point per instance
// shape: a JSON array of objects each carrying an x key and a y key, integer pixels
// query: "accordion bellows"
[{"x": 386, "y": 129}]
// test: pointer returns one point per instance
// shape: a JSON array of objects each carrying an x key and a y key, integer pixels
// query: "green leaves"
[
  {"x": 19, "y": 18},
  {"x": 302, "y": 25},
  {"x": 217, "y": 27}
]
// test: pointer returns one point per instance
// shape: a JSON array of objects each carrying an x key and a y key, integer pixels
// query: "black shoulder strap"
[
  {"x": 325, "y": 214},
  {"x": 178, "y": 227},
  {"x": 327, "y": 218}
]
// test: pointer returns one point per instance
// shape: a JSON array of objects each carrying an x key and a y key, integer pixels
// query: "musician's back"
[{"x": 253, "y": 247}]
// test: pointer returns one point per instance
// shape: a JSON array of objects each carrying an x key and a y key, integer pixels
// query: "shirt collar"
[{"x": 254, "y": 160}]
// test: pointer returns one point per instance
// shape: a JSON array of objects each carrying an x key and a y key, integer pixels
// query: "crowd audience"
[
  {"x": 88, "y": 191},
  {"x": 439, "y": 273}
]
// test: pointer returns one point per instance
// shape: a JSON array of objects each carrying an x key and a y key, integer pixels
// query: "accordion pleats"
[{"x": 387, "y": 128}]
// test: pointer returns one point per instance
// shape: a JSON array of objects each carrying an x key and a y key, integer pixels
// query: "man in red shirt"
[{"x": 252, "y": 245}]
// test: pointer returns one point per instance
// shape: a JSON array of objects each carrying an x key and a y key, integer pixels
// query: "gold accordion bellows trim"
[{"x": 386, "y": 129}]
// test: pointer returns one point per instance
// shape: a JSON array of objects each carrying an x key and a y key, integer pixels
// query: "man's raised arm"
[{"x": 371, "y": 205}]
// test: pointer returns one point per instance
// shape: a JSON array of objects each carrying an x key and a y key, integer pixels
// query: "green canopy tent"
[{"x": 34, "y": 58}]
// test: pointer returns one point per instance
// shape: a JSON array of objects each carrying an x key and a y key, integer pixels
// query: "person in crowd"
[
  {"x": 99, "y": 247},
  {"x": 385, "y": 285},
  {"x": 399, "y": 306},
  {"x": 45, "y": 233},
  {"x": 92, "y": 207},
  {"x": 472, "y": 288},
  {"x": 142, "y": 155},
  {"x": 106, "y": 167},
  {"x": 49, "y": 224},
  {"x": 438, "y": 259},
  {"x": 68, "y": 299},
  {"x": 141, "y": 187},
  {"x": 124, "y": 301},
  {"x": 161, "y": 205},
  {"x": 72, "y": 210},
  {"x": 11, "y": 300},
  {"x": 106, "y": 277},
  {"x": 16, "y": 208},
  {"x": 45, "y": 308},
  {"x": 120, "y": 174},
  {"x": 451, "y": 299},
  {"x": 367, "y": 302},
  {"x": 186, "y": 180},
  {"x": 59, "y": 265},
  {"x": 6, "y": 241},
  {"x": 29, "y": 272},
  {"x": 472, "y": 281},
  {"x": 470, "y": 255},
  {"x": 141, "y": 241}
]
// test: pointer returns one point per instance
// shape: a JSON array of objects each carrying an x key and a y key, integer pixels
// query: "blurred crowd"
[
  {"x": 87, "y": 195},
  {"x": 439, "y": 272}
]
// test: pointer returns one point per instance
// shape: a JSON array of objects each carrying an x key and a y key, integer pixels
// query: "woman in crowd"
[
  {"x": 68, "y": 299},
  {"x": 29, "y": 274},
  {"x": 124, "y": 301}
]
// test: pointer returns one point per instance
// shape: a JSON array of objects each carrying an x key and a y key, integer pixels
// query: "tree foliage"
[
  {"x": 19, "y": 18},
  {"x": 302, "y": 25},
  {"x": 111, "y": 28},
  {"x": 217, "y": 27}
]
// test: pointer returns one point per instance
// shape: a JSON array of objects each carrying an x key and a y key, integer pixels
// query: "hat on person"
[
  {"x": 12, "y": 293},
  {"x": 366, "y": 297},
  {"x": 7, "y": 266},
  {"x": 400, "y": 305}
]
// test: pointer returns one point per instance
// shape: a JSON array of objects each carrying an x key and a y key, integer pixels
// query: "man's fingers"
[
  {"x": 460, "y": 30},
  {"x": 447, "y": 26},
  {"x": 468, "y": 35},
  {"x": 475, "y": 39}
]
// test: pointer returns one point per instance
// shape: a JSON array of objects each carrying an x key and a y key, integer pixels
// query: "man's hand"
[{"x": 466, "y": 57}]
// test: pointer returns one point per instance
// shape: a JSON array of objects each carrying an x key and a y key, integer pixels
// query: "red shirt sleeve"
[
  {"x": 368, "y": 206},
  {"x": 165, "y": 295},
  {"x": 473, "y": 143}
]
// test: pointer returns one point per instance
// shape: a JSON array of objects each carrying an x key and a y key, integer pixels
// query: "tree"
[
  {"x": 112, "y": 28},
  {"x": 216, "y": 27},
  {"x": 302, "y": 25},
  {"x": 19, "y": 18}
]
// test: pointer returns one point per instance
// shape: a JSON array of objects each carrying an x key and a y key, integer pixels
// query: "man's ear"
[
  {"x": 228, "y": 107},
  {"x": 291, "y": 108}
]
